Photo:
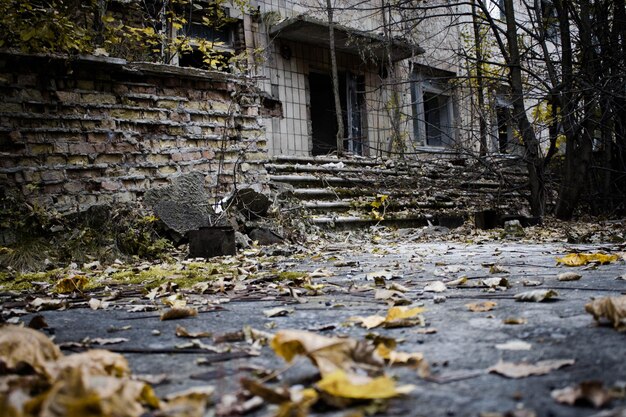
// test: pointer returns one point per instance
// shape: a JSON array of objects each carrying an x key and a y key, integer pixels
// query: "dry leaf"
[
  {"x": 612, "y": 308},
  {"x": 40, "y": 304},
  {"x": 457, "y": 282},
  {"x": 569, "y": 276},
  {"x": 77, "y": 393},
  {"x": 392, "y": 297},
  {"x": 179, "y": 313},
  {"x": 70, "y": 284},
  {"x": 589, "y": 392},
  {"x": 497, "y": 269},
  {"x": 481, "y": 307},
  {"x": 272, "y": 396},
  {"x": 531, "y": 283},
  {"x": 536, "y": 295},
  {"x": 514, "y": 345},
  {"x": 386, "y": 275},
  {"x": 23, "y": 346},
  {"x": 437, "y": 286},
  {"x": 192, "y": 402},
  {"x": 94, "y": 362},
  {"x": 580, "y": 259},
  {"x": 327, "y": 353},
  {"x": 495, "y": 282},
  {"x": 183, "y": 332},
  {"x": 278, "y": 312},
  {"x": 392, "y": 357},
  {"x": 400, "y": 316},
  {"x": 96, "y": 304},
  {"x": 339, "y": 384},
  {"x": 103, "y": 341},
  {"x": 524, "y": 369},
  {"x": 515, "y": 320}
]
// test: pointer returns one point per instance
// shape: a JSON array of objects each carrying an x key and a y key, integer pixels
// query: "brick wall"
[{"x": 74, "y": 133}]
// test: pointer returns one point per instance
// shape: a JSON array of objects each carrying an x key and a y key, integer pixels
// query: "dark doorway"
[{"x": 323, "y": 118}]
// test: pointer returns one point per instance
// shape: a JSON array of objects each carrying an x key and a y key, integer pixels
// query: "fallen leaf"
[
  {"x": 495, "y": 282},
  {"x": 21, "y": 346},
  {"x": 77, "y": 393},
  {"x": 392, "y": 297},
  {"x": 457, "y": 282},
  {"x": 272, "y": 396},
  {"x": 96, "y": 304},
  {"x": 371, "y": 276},
  {"x": 612, "y": 308},
  {"x": 414, "y": 359},
  {"x": 569, "y": 276},
  {"x": 192, "y": 402},
  {"x": 97, "y": 362},
  {"x": 399, "y": 316},
  {"x": 437, "y": 286},
  {"x": 70, "y": 284},
  {"x": 580, "y": 259},
  {"x": 515, "y": 320},
  {"x": 481, "y": 307},
  {"x": 179, "y": 313},
  {"x": 524, "y": 369},
  {"x": 531, "y": 283},
  {"x": 278, "y": 312},
  {"x": 514, "y": 345},
  {"x": 327, "y": 353},
  {"x": 497, "y": 269},
  {"x": 588, "y": 392},
  {"x": 197, "y": 344},
  {"x": 103, "y": 341},
  {"x": 183, "y": 332},
  {"x": 536, "y": 295},
  {"x": 339, "y": 384},
  {"x": 428, "y": 330},
  {"x": 40, "y": 304}
]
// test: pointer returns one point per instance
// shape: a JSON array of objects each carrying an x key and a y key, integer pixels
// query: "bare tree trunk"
[
  {"x": 534, "y": 160},
  {"x": 479, "y": 83},
  {"x": 579, "y": 136},
  {"x": 335, "y": 78}
]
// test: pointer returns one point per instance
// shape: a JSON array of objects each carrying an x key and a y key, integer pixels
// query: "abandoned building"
[{"x": 96, "y": 130}]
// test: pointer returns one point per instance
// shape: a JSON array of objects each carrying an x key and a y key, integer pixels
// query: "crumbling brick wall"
[{"x": 95, "y": 130}]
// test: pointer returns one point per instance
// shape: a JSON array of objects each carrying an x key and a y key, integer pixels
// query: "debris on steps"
[{"x": 360, "y": 192}]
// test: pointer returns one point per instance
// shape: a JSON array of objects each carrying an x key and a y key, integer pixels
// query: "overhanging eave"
[{"x": 305, "y": 29}]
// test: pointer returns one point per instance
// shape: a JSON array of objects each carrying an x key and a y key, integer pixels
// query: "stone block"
[
  {"x": 183, "y": 205},
  {"x": 208, "y": 242},
  {"x": 52, "y": 175}
]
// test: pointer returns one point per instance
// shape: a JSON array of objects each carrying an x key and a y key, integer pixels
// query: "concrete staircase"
[{"x": 357, "y": 192}]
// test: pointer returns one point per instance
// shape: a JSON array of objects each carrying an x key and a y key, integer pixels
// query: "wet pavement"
[{"x": 459, "y": 344}]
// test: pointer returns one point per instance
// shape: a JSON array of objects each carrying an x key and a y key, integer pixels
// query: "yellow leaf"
[
  {"x": 580, "y": 259},
  {"x": 338, "y": 384},
  {"x": 402, "y": 312},
  {"x": 396, "y": 317},
  {"x": 70, "y": 284},
  {"x": 327, "y": 353}
]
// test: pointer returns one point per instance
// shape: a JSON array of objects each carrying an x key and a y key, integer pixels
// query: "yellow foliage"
[
  {"x": 338, "y": 384},
  {"x": 580, "y": 259}
]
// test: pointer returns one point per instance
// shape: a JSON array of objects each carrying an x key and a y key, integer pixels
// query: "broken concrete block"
[
  {"x": 486, "y": 219},
  {"x": 251, "y": 203},
  {"x": 208, "y": 242},
  {"x": 265, "y": 236},
  {"x": 183, "y": 205}
]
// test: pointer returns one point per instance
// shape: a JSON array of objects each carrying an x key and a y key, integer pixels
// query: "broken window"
[
  {"x": 432, "y": 110},
  {"x": 502, "y": 127},
  {"x": 209, "y": 37}
]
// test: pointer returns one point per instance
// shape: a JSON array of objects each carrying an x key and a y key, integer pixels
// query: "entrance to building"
[{"x": 323, "y": 118}]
